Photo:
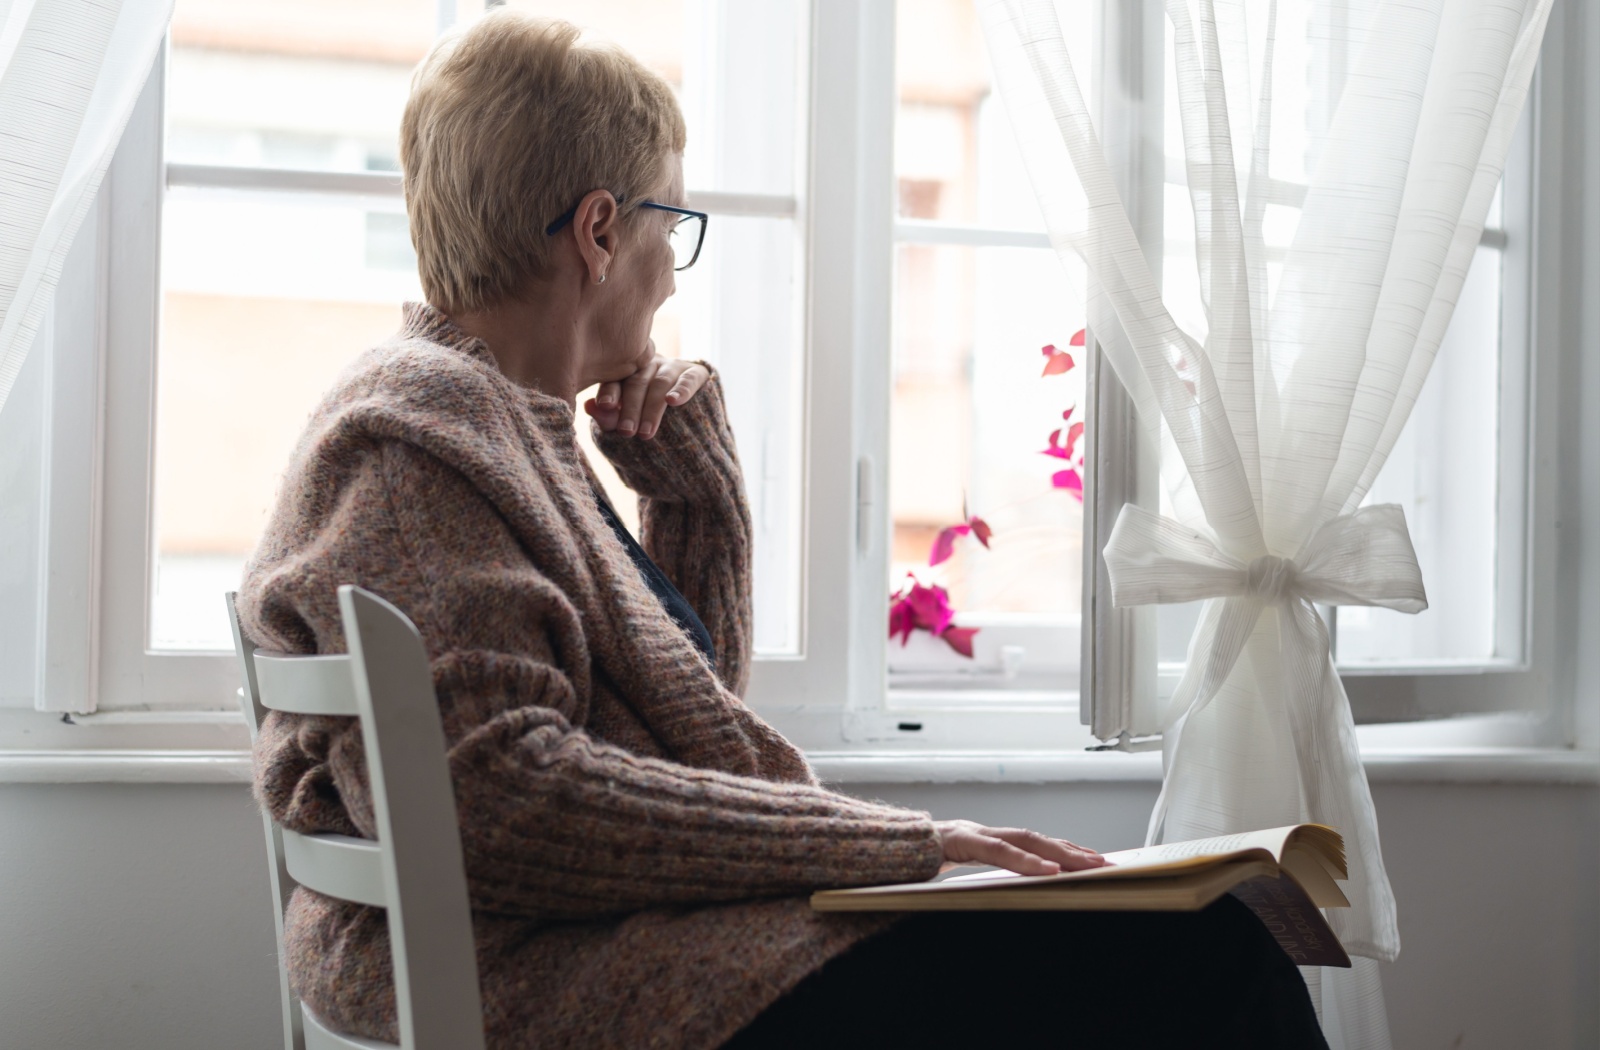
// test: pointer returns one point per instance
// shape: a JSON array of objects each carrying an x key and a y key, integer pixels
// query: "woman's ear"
[{"x": 595, "y": 226}]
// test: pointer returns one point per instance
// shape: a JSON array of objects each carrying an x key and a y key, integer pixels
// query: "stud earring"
[{"x": 602, "y": 279}]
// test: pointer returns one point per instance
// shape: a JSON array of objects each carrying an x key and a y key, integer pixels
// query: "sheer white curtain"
[
  {"x": 70, "y": 71},
  {"x": 1280, "y": 414}
]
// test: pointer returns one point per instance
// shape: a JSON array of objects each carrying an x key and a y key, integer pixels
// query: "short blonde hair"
[{"x": 509, "y": 123}]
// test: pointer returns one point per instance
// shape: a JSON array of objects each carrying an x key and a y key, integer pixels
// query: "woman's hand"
[
  {"x": 1015, "y": 849},
  {"x": 636, "y": 404}
]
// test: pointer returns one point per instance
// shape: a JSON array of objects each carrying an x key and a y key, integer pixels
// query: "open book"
[{"x": 1284, "y": 875}]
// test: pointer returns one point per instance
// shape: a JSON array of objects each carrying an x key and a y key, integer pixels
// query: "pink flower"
[
  {"x": 1070, "y": 480},
  {"x": 1074, "y": 432},
  {"x": 925, "y": 608},
  {"x": 1063, "y": 449},
  {"x": 1056, "y": 362},
  {"x": 944, "y": 543},
  {"x": 960, "y": 639}
]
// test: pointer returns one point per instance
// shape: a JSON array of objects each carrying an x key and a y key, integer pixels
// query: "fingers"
[
  {"x": 689, "y": 383},
  {"x": 1002, "y": 854},
  {"x": 637, "y": 404},
  {"x": 631, "y": 402},
  {"x": 1069, "y": 856},
  {"x": 655, "y": 402},
  {"x": 1015, "y": 849},
  {"x": 605, "y": 415}
]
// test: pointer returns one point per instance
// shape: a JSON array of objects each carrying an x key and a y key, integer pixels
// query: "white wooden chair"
[{"x": 414, "y": 870}]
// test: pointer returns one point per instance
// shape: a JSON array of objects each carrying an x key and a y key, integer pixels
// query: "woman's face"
[{"x": 640, "y": 280}]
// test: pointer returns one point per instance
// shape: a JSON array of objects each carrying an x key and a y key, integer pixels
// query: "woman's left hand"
[{"x": 635, "y": 405}]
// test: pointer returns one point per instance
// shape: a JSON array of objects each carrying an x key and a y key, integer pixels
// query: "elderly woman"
[{"x": 639, "y": 845}]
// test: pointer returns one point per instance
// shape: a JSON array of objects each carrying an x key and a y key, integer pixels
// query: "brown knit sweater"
[{"x": 638, "y": 843}]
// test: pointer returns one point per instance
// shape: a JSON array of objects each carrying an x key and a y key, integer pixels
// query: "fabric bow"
[{"x": 1362, "y": 558}]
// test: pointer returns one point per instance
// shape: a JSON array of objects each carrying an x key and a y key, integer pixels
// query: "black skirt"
[{"x": 1212, "y": 978}]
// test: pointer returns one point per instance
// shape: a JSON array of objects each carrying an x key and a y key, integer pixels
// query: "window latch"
[{"x": 864, "y": 504}]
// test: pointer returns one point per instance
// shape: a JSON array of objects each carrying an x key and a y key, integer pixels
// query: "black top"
[{"x": 672, "y": 600}]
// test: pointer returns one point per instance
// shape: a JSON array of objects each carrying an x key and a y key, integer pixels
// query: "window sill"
[
  {"x": 124, "y": 767},
  {"x": 1454, "y": 765},
  {"x": 198, "y": 747}
]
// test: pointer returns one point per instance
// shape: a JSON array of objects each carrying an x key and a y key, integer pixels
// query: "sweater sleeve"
[
  {"x": 695, "y": 519},
  {"x": 554, "y": 823}
]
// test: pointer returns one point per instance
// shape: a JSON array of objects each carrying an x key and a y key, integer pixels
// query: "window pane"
[
  {"x": 293, "y": 83},
  {"x": 970, "y": 416},
  {"x": 956, "y": 158},
  {"x": 970, "y": 413},
  {"x": 264, "y": 303},
  {"x": 301, "y": 84},
  {"x": 1444, "y": 471},
  {"x": 740, "y": 141}
]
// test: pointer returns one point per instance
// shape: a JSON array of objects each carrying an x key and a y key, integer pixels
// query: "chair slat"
[
  {"x": 320, "y": 1037},
  {"x": 307, "y": 685},
  {"x": 350, "y": 869},
  {"x": 414, "y": 813}
]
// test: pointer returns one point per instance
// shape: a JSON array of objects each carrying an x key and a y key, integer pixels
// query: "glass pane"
[
  {"x": 293, "y": 83},
  {"x": 264, "y": 302},
  {"x": 969, "y": 418},
  {"x": 970, "y": 412},
  {"x": 301, "y": 84},
  {"x": 956, "y": 158},
  {"x": 1445, "y": 472},
  {"x": 739, "y": 141},
  {"x": 656, "y": 32}
]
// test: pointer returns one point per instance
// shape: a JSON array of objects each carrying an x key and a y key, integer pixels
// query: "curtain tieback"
[{"x": 1362, "y": 558}]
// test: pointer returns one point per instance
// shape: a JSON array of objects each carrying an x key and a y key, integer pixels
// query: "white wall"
[{"x": 137, "y": 916}]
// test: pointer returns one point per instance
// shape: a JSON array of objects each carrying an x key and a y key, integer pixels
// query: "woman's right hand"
[{"x": 1015, "y": 849}]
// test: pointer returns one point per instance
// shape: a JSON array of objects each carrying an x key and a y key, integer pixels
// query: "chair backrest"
[{"x": 415, "y": 869}]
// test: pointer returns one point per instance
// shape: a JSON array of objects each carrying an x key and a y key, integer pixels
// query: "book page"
[
  {"x": 1272, "y": 840},
  {"x": 1313, "y": 872},
  {"x": 1157, "y": 860}
]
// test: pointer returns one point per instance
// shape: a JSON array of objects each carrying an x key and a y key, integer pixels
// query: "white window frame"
[
  {"x": 832, "y": 695},
  {"x": 1513, "y": 678},
  {"x": 1517, "y": 676},
  {"x": 1395, "y": 690},
  {"x": 128, "y": 680},
  {"x": 1118, "y": 665}
]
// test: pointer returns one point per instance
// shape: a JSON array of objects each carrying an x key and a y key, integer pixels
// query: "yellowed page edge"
[{"x": 1187, "y": 892}]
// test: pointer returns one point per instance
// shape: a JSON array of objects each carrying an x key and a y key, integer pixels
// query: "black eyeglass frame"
[{"x": 687, "y": 213}]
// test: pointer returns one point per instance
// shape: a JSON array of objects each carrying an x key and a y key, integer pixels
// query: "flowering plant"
[
  {"x": 1065, "y": 448},
  {"x": 918, "y": 606}
]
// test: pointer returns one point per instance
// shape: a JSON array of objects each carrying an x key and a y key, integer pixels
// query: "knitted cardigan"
[{"x": 638, "y": 843}]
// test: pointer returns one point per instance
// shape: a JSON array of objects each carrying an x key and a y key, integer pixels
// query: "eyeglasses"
[{"x": 688, "y": 231}]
